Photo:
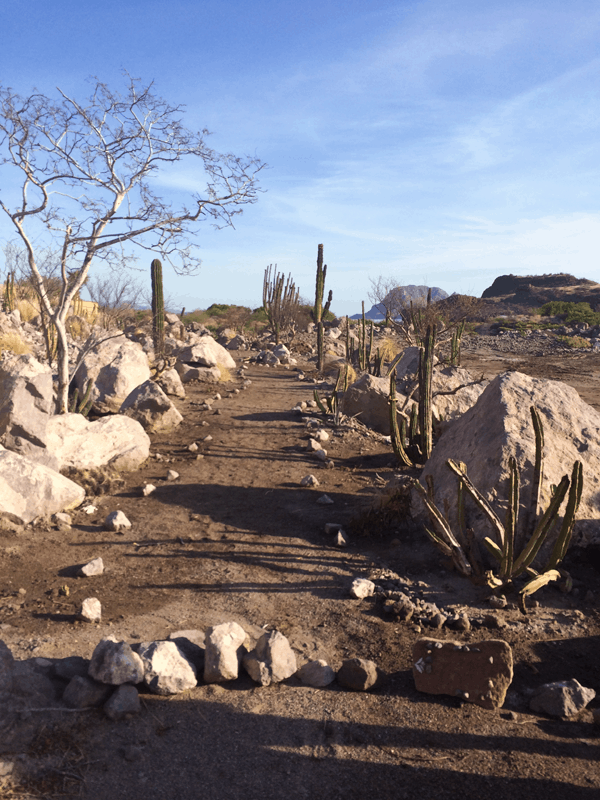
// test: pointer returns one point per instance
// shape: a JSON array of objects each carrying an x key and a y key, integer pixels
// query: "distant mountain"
[
  {"x": 535, "y": 290},
  {"x": 406, "y": 294}
]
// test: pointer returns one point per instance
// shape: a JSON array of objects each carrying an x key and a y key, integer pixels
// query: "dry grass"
[
  {"x": 389, "y": 349},
  {"x": 96, "y": 482},
  {"x": 27, "y": 310},
  {"x": 574, "y": 341},
  {"x": 225, "y": 376},
  {"x": 13, "y": 343}
]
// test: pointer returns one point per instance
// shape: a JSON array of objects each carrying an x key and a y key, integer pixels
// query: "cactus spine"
[{"x": 158, "y": 309}]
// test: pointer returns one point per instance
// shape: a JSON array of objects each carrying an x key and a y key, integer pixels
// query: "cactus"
[
  {"x": 455, "y": 344},
  {"x": 425, "y": 392},
  {"x": 85, "y": 406},
  {"x": 332, "y": 402},
  {"x": 158, "y": 309},
  {"x": 319, "y": 310},
  {"x": 280, "y": 300},
  {"x": 10, "y": 302},
  {"x": 537, "y": 530},
  {"x": 398, "y": 436}
]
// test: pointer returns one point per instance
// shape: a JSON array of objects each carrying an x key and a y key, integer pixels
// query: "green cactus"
[
  {"x": 426, "y": 392},
  {"x": 537, "y": 530},
  {"x": 398, "y": 435},
  {"x": 158, "y": 309},
  {"x": 319, "y": 311}
]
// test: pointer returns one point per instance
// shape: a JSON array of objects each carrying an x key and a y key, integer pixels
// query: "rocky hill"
[
  {"x": 404, "y": 295},
  {"x": 535, "y": 290}
]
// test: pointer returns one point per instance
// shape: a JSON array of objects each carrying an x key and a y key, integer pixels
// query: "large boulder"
[
  {"x": 206, "y": 352},
  {"x": 499, "y": 427},
  {"x": 151, "y": 407},
  {"x": 29, "y": 490},
  {"x": 26, "y": 401},
  {"x": 119, "y": 442},
  {"x": 116, "y": 366},
  {"x": 455, "y": 391},
  {"x": 368, "y": 400}
]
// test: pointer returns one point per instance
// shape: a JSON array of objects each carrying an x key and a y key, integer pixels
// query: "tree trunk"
[{"x": 62, "y": 360}]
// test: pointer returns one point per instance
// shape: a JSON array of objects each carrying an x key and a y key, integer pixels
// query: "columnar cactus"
[
  {"x": 158, "y": 309},
  {"x": 319, "y": 310}
]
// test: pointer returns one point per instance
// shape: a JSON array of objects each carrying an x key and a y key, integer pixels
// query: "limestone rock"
[
  {"x": 151, "y": 407},
  {"x": 205, "y": 374},
  {"x": 466, "y": 392},
  {"x": 116, "y": 521},
  {"x": 82, "y": 692},
  {"x": 499, "y": 426},
  {"x": 124, "y": 703},
  {"x": 367, "y": 400},
  {"x": 93, "y": 567},
  {"x": 115, "y": 662},
  {"x": 309, "y": 480},
  {"x": 361, "y": 588},
  {"x": 316, "y": 673},
  {"x": 26, "y": 402},
  {"x": 29, "y": 490},
  {"x": 272, "y": 660},
  {"x": 224, "y": 651},
  {"x": 166, "y": 669},
  {"x": 116, "y": 366},
  {"x": 91, "y": 610},
  {"x": 206, "y": 352},
  {"x": 358, "y": 674},
  {"x": 171, "y": 383},
  {"x": 562, "y": 698},
  {"x": 479, "y": 673}
]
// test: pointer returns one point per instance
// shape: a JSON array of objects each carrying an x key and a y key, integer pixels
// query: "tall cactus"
[
  {"x": 398, "y": 435},
  {"x": 158, "y": 309},
  {"x": 9, "y": 293},
  {"x": 319, "y": 310},
  {"x": 426, "y": 392}
]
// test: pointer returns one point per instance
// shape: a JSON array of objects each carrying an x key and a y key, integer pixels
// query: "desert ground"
[{"x": 236, "y": 538}]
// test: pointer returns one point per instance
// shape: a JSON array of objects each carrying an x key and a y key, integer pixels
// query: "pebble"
[
  {"x": 116, "y": 521},
  {"x": 341, "y": 539},
  {"x": 91, "y": 610},
  {"x": 148, "y": 489},
  {"x": 193, "y": 448},
  {"x": 325, "y": 500},
  {"x": 208, "y": 438},
  {"x": 309, "y": 480},
  {"x": 93, "y": 567},
  {"x": 172, "y": 475}
]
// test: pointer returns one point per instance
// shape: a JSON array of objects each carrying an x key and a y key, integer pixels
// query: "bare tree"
[
  {"x": 387, "y": 294},
  {"x": 85, "y": 173},
  {"x": 117, "y": 297}
]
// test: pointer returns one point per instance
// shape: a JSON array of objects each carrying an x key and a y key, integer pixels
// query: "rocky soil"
[{"x": 236, "y": 538}]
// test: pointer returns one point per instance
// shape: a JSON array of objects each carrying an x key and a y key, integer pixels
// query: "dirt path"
[{"x": 236, "y": 538}]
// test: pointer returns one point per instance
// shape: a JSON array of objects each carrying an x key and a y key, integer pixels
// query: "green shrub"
[
  {"x": 574, "y": 341},
  {"x": 570, "y": 312}
]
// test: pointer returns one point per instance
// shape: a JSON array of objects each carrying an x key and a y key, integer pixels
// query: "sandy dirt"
[{"x": 236, "y": 538}]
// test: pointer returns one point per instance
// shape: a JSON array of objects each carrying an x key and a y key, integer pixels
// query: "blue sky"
[{"x": 435, "y": 142}]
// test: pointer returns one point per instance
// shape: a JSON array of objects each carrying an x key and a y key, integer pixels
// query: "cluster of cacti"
[
  {"x": 158, "y": 309},
  {"x": 537, "y": 528},
  {"x": 85, "y": 405},
  {"x": 331, "y": 405},
  {"x": 10, "y": 297},
  {"x": 455, "y": 344},
  {"x": 280, "y": 301},
  {"x": 319, "y": 310}
]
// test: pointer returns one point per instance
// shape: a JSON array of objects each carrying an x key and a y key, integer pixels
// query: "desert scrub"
[
  {"x": 225, "y": 376},
  {"x": 574, "y": 341},
  {"x": 102, "y": 480},
  {"x": 388, "y": 349},
  {"x": 570, "y": 312},
  {"x": 27, "y": 310},
  {"x": 12, "y": 343}
]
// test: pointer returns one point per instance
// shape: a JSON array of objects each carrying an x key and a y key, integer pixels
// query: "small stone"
[
  {"x": 325, "y": 500},
  {"x": 493, "y": 621},
  {"x": 218, "y": 396},
  {"x": 358, "y": 674},
  {"x": 204, "y": 423},
  {"x": 361, "y": 588},
  {"x": 208, "y": 438},
  {"x": 272, "y": 660},
  {"x": 116, "y": 521},
  {"x": 62, "y": 518},
  {"x": 497, "y": 601},
  {"x": 320, "y": 455},
  {"x": 199, "y": 457},
  {"x": 83, "y": 692},
  {"x": 193, "y": 448},
  {"x": 91, "y": 610},
  {"x": 124, "y": 703},
  {"x": 313, "y": 445},
  {"x": 332, "y": 527},
  {"x": 341, "y": 539},
  {"x": 93, "y": 567},
  {"x": 309, "y": 480},
  {"x": 172, "y": 475},
  {"x": 329, "y": 464},
  {"x": 562, "y": 698},
  {"x": 316, "y": 673},
  {"x": 166, "y": 669},
  {"x": 438, "y": 620},
  {"x": 115, "y": 662},
  {"x": 321, "y": 436},
  {"x": 148, "y": 489}
]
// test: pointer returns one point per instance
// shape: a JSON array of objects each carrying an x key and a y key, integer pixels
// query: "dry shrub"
[
  {"x": 225, "y": 376},
  {"x": 102, "y": 480},
  {"x": 389, "y": 511},
  {"x": 389, "y": 349},
  {"x": 13, "y": 343},
  {"x": 574, "y": 341},
  {"x": 27, "y": 310}
]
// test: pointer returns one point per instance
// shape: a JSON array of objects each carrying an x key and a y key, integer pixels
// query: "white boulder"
[
  {"x": 224, "y": 652},
  {"x": 151, "y": 407},
  {"x": 206, "y": 352},
  {"x": 166, "y": 669}
]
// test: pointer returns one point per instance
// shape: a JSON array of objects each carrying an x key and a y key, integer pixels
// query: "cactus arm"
[
  {"x": 320, "y": 403},
  {"x": 512, "y": 520},
  {"x": 397, "y": 436},
  {"x": 158, "y": 308},
  {"x": 542, "y": 529},
  {"x": 425, "y": 392},
  {"x": 443, "y": 527},
  {"x": 564, "y": 537},
  {"x": 479, "y": 499},
  {"x": 538, "y": 469}
]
